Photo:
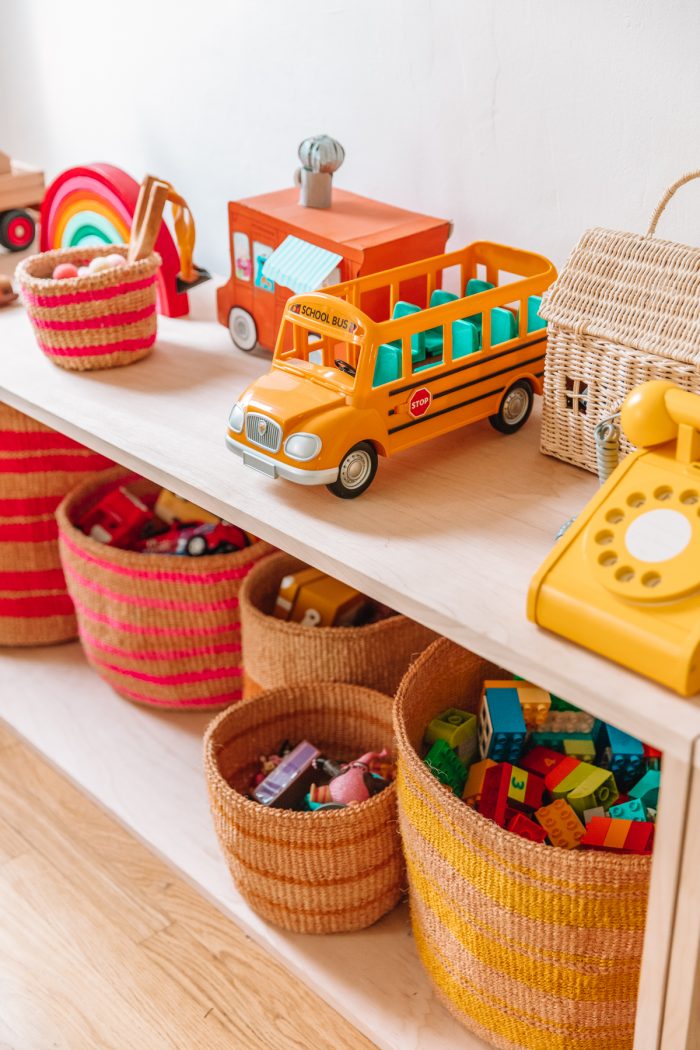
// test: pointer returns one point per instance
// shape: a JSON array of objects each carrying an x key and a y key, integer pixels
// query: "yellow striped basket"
[{"x": 530, "y": 947}]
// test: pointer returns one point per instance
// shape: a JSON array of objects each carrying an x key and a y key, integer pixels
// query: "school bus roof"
[{"x": 355, "y": 222}]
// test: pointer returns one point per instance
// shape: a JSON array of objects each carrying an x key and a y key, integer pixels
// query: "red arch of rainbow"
[{"x": 110, "y": 192}]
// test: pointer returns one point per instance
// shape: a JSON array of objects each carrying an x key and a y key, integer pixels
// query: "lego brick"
[
  {"x": 475, "y": 780},
  {"x": 611, "y": 833},
  {"x": 526, "y": 828},
  {"x": 525, "y": 789},
  {"x": 623, "y": 754},
  {"x": 632, "y": 810},
  {"x": 534, "y": 703},
  {"x": 568, "y": 722},
  {"x": 502, "y": 728},
  {"x": 561, "y": 824},
  {"x": 444, "y": 764},
  {"x": 555, "y": 741},
  {"x": 541, "y": 760},
  {"x": 598, "y": 788},
  {"x": 458, "y": 729},
  {"x": 582, "y": 748},
  {"x": 564, "y": 777},
  {"x": 647, "y": 788},
  {"x": 494, "y": 792},
  {"x": 595, "y": 811},
  {"x": 652, "y": 757}
]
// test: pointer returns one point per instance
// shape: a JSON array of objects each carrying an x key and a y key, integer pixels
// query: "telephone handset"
[{"x": 624, "y": 580}]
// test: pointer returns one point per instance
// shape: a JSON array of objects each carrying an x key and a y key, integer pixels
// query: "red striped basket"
[
  {"x": 162, "y": 630},
  {"x": 37, "y": 467},
  {"x": 100, "y": 321}
]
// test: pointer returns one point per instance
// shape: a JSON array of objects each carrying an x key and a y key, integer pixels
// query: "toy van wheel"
[
  {"x": 356, "y": 472},
  {"x": 243, "y": 329},
  {"x": 196, "y": 546},
  {"x": 515, "y": 408},
  {"x": 17, "y": 229}
]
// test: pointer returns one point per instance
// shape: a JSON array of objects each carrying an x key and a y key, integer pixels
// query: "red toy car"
[
  {"x": 196, "y": 540},
  {"x": 118, "y": 519}
]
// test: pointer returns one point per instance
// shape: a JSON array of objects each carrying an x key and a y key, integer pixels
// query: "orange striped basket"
[
  {"x": 37, "y": 467},
  {"x": 162, "y": 630},
  {"x": 530, "y": 946}
]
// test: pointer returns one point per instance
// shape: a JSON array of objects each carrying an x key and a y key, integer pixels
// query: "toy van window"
[
  {"x": 261, "y": 253},
  {"x": 576, "y": 396},
  {"x": 241, "y": 256}
]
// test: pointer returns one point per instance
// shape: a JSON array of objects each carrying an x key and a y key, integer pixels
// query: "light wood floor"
[{"x": 103, "y": 947}]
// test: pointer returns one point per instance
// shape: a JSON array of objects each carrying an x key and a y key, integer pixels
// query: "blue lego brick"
[
  {"x": 632, "y": 810},
  {"x": 647, "y": 789},
  {"x": 502, "y": 729},
  {"x": 624, "y": 755}
]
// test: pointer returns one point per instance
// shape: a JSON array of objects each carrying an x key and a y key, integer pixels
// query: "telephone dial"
[{"x": 624, "y": 579}]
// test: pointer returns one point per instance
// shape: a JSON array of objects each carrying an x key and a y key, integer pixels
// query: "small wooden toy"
[
  {"x": 521, "y": 825},
  {"x": 623, "y": 754},
  {"x": 314, "y": 599},
  {"x": 21, "y": 188},
  {"x": 561, "y": 824},
  {"x": 628, "y": 836},
  {"x": 632, "y": 810},
  {"x": 458, "y": 729},
  {"x": 647, "y": 789},
  {"x": 290, "y": 780},
  {"x": 396, "y": 379},
  {"x": 502, "y": 728},
  {"x": 475, "y": 781},
  {"x": 443, "y": 763},
  {"x": 541, "y": 760}
]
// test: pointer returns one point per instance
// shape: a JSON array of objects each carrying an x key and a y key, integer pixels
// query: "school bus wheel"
[
  {"x": 243, "y": 329},
  {"x": 356, "y": 472},
  {"x": 515, "y": 408}
]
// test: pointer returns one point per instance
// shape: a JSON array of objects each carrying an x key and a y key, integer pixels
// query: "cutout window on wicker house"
[{"x": 576, "y": 395}]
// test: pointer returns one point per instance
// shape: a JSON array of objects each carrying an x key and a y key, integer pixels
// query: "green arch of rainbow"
[{"x": 88, "y": 228}]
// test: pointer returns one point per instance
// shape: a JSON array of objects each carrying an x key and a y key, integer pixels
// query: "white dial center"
[{"x": 658, "y": 535}]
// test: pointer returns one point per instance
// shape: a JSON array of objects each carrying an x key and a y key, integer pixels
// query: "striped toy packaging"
[
  {"x": 162, "y": 630},
  {"x": 531, "y": 947},
  {"x": 37, "y": 467},
  {"x": 99, "y": 321}
]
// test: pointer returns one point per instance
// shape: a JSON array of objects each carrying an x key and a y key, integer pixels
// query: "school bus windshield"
[{"x": 314, "y": 352}]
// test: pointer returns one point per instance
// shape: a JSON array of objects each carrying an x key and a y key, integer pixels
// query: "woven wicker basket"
[
  {"x": 161, "y": 630},
  {"x": 530, "y": 947},
  {"x": 91, "y": 322},
  {"x": 37, "y": 467},
  {"x": 323, "y": 872},
  {"x": 624, "y": 309},
  {"x": 281, "y": 653}
]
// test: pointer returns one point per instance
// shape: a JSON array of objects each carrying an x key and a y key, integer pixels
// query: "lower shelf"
[{"x": 145, "y": 767}]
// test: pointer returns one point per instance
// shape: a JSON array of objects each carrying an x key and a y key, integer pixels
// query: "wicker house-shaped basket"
[{"x": 625, "y": 309}]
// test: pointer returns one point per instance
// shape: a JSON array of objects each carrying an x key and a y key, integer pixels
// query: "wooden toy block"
[
  {"x": 475, "y": 781},
  {"x": 494, "y": 792},
  {"x": 561, "y": 824},
  {"x": 647, "y": 789},
  {"x": 541, "y": 760},
  {"x": 443, "y": 763},
  {"x": 582, "y": 748},
  {"x": 632, "y": 810},
  {"x": 595, "y": 811},
  {"x": 610, "y": 833},
  {"x": 526, "y": 828},
  {"x": 502, "y": 728},
  {"x": 458, "y": 729},
  {"x": 597, "y": 789},
  {"x": 623, "y": 754}
]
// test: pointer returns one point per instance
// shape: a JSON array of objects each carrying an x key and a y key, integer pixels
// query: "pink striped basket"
[
  {"x": 37, "y": 467},
  {"x": 100, "y": 321},
  {"x": 162, "y": 630}
]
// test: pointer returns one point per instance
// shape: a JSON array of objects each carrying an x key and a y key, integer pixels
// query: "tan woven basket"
[
  {"x": 162, "y": 630},
  {"x": 323, "y": 872},
  {"x": 37, "y": 467},
  {"x": 625, "y": 309},
  {"x": 281, "y": 653},
  {"x": 530, "y": 947},
  {"x": 91, "y": 322}
]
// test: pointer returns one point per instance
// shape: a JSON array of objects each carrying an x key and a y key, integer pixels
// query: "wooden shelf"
[
  {"x": 145, "y": 767},
  {"x": 450, "y": 533}
]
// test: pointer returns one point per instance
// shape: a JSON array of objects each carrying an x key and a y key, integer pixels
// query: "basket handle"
[{"x": 688, "y": 177}]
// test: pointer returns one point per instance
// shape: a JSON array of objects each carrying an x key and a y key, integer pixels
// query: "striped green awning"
[{"x": 298, "y": 265}]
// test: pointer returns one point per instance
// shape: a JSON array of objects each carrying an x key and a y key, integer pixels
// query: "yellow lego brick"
[
  {"x": 535, "y": 703},
  {"x": 457, "y": 728},
  {"x": 584, "y": 750},
  {"x": 561, "y": 824},
  {"x": 475, "y": 781},
  {"x": 597, "y": 789}
]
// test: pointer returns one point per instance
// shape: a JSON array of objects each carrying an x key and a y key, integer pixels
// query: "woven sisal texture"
[
  {"x": 162, "y": 630},
  {"x": 324, "y": 872},
  {"x": 530, "y": 947},
  {"x": 37, "y": 467},
  {"x": 100, "y": 321},
  {"x": 280, "y": 653}
]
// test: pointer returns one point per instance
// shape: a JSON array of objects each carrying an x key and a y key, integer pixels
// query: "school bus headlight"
[
  {"x": 302, "y": 446},
  {"x": 235, "y": 420}
]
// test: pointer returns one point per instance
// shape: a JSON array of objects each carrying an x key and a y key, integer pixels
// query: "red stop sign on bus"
[{"x": 419, "y": 402}]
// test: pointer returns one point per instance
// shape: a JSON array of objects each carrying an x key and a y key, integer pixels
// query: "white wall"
[{"x": 522, "y": 120}]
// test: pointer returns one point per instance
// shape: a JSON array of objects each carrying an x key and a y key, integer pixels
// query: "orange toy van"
[
  {"x": 301, "y": 248},
  {"x": 344, "y": 388}
]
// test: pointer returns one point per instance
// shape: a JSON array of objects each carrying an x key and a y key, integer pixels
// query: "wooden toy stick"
[{"x": 147, "y": 218}]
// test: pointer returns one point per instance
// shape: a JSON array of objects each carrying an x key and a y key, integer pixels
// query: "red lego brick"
[{"x": 526, "y": 828}]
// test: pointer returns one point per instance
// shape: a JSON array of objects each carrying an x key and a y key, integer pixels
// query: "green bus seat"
[
  {"x": 534, "y": 321},
  {"x": 388, "y": 365}
]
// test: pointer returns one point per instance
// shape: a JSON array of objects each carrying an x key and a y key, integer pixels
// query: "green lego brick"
[{"x": 446, "y": 766}]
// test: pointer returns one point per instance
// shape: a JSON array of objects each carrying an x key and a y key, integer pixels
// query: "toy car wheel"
[
  {"x": 515, "y": 409},
  {"x": 356, "y": 471},
  {"x": 17, "y": 229},
  {"x": 243, "y": 329},
  {"x": 196, "y": 545}
]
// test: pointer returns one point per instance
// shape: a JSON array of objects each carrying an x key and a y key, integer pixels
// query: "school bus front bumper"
[{"x": 275, "y": 468}]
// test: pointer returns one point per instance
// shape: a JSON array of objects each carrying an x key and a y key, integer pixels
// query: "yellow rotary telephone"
[{"x": 624, "y": 580}]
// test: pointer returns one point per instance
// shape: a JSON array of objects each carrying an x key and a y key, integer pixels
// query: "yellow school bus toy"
[{"x": 344, "y": 389}]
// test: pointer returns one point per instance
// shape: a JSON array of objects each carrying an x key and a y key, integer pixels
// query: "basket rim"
[
  {"x": 237, "y": 800},
  {"x": 271, "y": 622},
  {"x": 464, "y": 815},
  {"x": 142, "y": 559},
  {"x": 47, "y": 285}
]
